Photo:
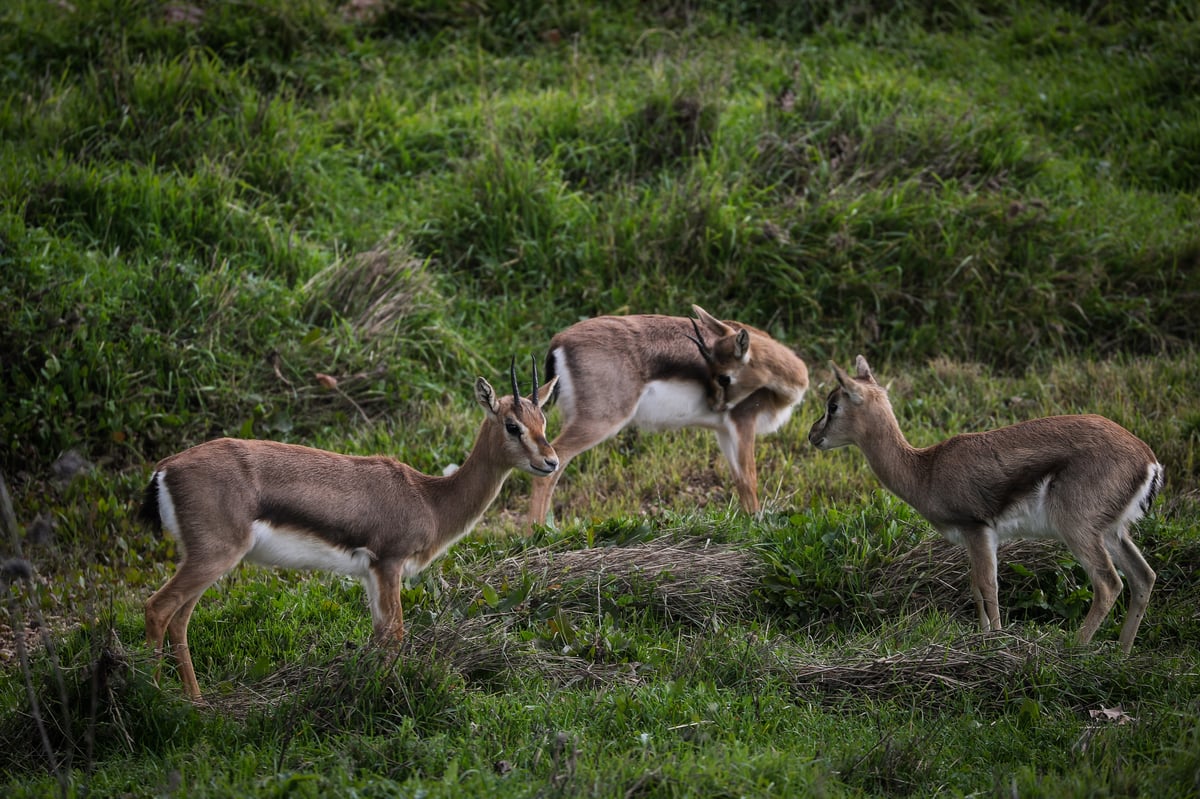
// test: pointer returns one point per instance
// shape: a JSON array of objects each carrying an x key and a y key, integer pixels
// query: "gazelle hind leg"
[
  {"x": 177, "y": 632},
  {"x": 543, "y": 493},
  {"x": 170, "y": 608},
  {"x": 1128, "y": 558},
  {"x": 1106, "y": 582}
]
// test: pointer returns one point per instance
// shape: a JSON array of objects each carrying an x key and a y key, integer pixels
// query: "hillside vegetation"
[{"x": 318, "y": 222}]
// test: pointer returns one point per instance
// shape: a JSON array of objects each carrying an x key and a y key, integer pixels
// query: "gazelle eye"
[
  {"x": 832, "y": 407},
  {"x": 513, "y": 428},
  {"x": 724, "y": 381}
]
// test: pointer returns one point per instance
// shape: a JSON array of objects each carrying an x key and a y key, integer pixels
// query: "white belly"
[
  {"x": 288, "y": 549},
  {"x": 1028, "y": 517},
  {"x": 672, "y": 404},
  {"x": 771, "y": 420}
]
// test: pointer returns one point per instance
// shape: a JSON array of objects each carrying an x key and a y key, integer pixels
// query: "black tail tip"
[{"x": 149, "y": 514}]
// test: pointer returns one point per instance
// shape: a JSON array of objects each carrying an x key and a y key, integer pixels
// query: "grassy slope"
[{"x": 996, "y": 203}]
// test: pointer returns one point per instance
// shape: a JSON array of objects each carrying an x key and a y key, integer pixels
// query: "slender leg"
[
  {"x": 1089, "y": 548},
  {"x": 387, "y": 614},
  {"x": 1128, "y": 558},
  {"x": 170, "y": 608},
  {"x": 574, "y": 439},
  {"x": 177, "y": 632},
  {"x": 981, "y": 555},
  {"x": 543, "y": 491}
]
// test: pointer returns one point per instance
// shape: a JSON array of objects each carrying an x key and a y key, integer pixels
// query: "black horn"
[
  {"x": 512, "y": 371},
  {"x": 534, "y": 396},
  {"x": 705, "y": 352}
]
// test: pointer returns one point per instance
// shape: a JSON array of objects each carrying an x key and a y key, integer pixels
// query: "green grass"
[{"x": 203, "y": 208}]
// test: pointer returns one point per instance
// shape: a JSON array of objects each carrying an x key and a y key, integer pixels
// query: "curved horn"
[
  {"x": 534, "y": 396},
  {"x": 512, "y": 372},
  {"x": 705, "y": 352}
]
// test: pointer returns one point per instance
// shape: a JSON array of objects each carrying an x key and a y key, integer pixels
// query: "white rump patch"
[
  {"x": 566, "y": 389},
  {"x": 1136, "y": 507},
  {"x": 166, "y": 507},
  {"x": 290, "y": 549}
]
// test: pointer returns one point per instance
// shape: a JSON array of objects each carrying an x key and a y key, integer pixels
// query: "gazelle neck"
[
  {"x": 467, "y": 493},
  {"x": 894, "y": 461}
]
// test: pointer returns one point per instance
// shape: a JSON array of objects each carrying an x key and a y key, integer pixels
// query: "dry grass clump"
[
  {"x": 980, "y": 662},
  {"x": 689, "y": 580},
  {"x": 376, "y": 291},
  {"x": 935, "y": 574}
]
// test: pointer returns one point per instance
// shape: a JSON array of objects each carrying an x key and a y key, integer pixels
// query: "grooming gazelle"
[
  {"x": 657, "y": 373},
  {"x": 297, "y": 507},
  {"x": 1081, "y": 480}
]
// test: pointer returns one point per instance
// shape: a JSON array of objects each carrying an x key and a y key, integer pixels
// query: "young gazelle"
[
  {"x": 296, "y": 507},
  {"x": 1081, "y": 480},
  {"x": 657, "y": 373}
]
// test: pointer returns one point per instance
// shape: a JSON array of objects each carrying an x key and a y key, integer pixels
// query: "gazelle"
[
  {"x": 651, "y": 372},
  {"x": 1081, "y": 480},
  {"x": 296, "y": 507}
]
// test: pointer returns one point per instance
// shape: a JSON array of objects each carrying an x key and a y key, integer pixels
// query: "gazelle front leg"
[
  {"x": 736, "y": 440},
  {"x": 384, "y": 583},
  {"x": 575, "y": 437},
  {"x": 981, "y": 556}
]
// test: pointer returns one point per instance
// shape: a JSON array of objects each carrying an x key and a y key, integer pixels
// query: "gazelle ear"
[
  {"x": 485, "y": 395},
  {"x": 851, "y": 389},
  {"x": 864, "y": 369},
  {"x": 711, "y": 322},
  {"x": 546, "y": 392},
  {"x": 741, "y": 345}
]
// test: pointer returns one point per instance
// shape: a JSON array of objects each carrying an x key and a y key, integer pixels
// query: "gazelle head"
[
  {"x": 850, "y": 408},
  {"x": 727, "y": 359},
  {"x": 517, "y": 426}
]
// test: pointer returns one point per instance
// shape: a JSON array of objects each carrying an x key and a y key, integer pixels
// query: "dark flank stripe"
[
  {"x": 989, "y": 500},
  {"x": 670, "y": 366},
  {"x": 1021, "y": 485},
  {"x": 291, "y": 517}
]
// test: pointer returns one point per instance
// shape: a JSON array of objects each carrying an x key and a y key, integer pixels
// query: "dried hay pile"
[
  {"x": 934, "y": 574},
  {"x": 690, "y": 580},
  {"x": 377, "y": 291},
  {"x": 980, "y": 662}
]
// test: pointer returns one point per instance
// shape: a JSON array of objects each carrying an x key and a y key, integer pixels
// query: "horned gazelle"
[
  {"x": 657, "y": 373},
  {"x": 1081, "y": 480},
  {"x": 297, "y": 507}
]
